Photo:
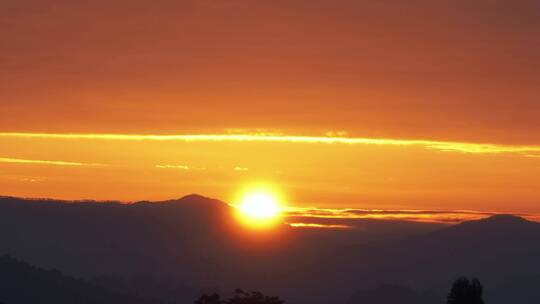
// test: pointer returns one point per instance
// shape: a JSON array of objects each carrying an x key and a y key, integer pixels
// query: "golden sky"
[{"x": 362, "y": 104}]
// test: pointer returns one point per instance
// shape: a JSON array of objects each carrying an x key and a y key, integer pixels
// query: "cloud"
[
  {"x": 45, "y": 162},
  {"x": 179, "y": 167},
  {"x": 30, "y": 180},
  {"x": 182, "y": 167},
  {"x": 321, "y": 226},
  {"x": 347, "y": 216},
  {"x": 445, "y": 146},
  {"x": 237, "y": 168}
]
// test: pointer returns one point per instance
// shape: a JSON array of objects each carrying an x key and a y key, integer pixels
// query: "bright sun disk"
[{"x": 259, "y": 208}]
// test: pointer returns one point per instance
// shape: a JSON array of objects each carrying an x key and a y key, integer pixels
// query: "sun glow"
[{"x": 259, "y": 207}]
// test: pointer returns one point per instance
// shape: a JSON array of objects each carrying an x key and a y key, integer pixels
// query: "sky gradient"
[{"x": 361, "y": 104}]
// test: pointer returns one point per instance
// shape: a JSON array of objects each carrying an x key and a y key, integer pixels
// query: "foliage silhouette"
[
  {"x": 209, "y": 299},
  {"x": 240, "y": 297},
  {"x": 466, "y": 292}
]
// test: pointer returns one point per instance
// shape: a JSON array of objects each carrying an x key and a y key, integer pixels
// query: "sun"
[{"x": 259, "y": 207}]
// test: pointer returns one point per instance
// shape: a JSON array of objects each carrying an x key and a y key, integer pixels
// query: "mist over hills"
[{"x": 179, "y": 248}]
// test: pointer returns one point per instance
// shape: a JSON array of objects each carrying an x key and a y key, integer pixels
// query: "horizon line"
[{"x": 304, "y": 214}]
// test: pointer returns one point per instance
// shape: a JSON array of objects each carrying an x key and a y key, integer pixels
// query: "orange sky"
[{"x": 442, "y": 71}]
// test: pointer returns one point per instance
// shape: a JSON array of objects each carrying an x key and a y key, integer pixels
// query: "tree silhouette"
[
  {"x": 209, "y": 299},
  {"x": 466, "y": 292},
  {"x": 240, "y": 297},
  {"x": 253, "y": 297}
]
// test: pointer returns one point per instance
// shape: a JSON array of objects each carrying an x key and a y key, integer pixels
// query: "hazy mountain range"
[{"x": 172, "y": 251}]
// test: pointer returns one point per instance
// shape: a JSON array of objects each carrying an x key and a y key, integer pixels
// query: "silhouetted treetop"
[
  {"x": 209, "y": 299},
  {"x": 240, "y": 297},
  {"x": 466, "y": 292}
]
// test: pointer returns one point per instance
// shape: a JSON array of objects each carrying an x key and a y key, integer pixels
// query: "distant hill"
[
  {"x": 21, "y": 283},
  {"x": 502, "y": 250},
  {"x": 178, "y": 248},
  {"x": 92, "y": 238}
]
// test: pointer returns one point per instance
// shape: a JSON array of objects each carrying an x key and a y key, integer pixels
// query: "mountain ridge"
[
  {"x": 22, "y": 283},
  {"x": 195, "y": 241}
]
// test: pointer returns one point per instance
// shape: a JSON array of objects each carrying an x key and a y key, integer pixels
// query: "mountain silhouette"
[
  {"x": 136, "y": 241},
  {"x": 187, "y": 246},
  {"x": 495, "y": 249},
  {"x": 21, "y": 283}
]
